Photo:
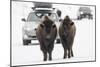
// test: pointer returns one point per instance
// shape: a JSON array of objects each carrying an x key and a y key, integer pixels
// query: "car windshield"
[
  {"x": 34, "y": 16},
  {"x": 85, "y": 9}
]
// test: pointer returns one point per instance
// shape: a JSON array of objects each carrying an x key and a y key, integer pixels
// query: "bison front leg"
[
  {"x": 65, "y": 53},
  {"x": 45, "y": 55},
  {"x": 65, "y": 48},
  {"x": 69, "y": 53},
  {"x": 72, "y": 53},
  {"x": 50, "y": 49},
  {"x": 50, "y": 55}
]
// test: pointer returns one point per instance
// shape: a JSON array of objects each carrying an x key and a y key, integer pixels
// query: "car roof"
[
  {"x": 42, "y": 5},
  {"x": 43, "y": 11},
  {"x": 85, "y": 9}
]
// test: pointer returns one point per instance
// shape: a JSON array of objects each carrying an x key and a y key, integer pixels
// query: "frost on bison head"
[
  {"x": 67, "y": 21},
  {"x": 47, "y": 24}
]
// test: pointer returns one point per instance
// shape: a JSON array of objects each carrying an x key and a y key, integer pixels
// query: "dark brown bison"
[
  {"x": 67, "y": 31},
  {"x": 46, "y": 34}
]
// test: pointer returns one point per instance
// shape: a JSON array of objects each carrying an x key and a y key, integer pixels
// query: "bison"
[
  {"x": 67, "y": 32},
  {"x": 46, "y": 34}
]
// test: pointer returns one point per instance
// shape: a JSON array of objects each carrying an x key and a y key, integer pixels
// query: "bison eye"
[
  {"x": 72, "y": 23},
  {"x": 53, "y": 25},
  {"x": 42, "y": 25}
]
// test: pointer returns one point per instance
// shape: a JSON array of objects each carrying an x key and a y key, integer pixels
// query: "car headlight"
[
  {"x": 81, "y": 12},
  {"x": 25, "y": 36},
  {"x": 28, "y": 29}
]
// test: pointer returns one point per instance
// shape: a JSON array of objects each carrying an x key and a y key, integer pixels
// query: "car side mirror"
[
  {"x": 23, "y": 19},
  {"x": 33, "y": 8}
]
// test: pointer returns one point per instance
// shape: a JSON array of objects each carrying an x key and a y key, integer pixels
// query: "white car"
[
  {"x": 84, "y": 12},
  {"x": 32, "y": 21}
]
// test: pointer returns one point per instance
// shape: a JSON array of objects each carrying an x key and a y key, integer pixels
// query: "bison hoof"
[
  {"x": 45, "y": 59},
  {"x": 64, "y": 57},
  {"x": 69, "y": 57},
  {"x": 72, "y": 55},
  {"x": 50, "y": 59}
]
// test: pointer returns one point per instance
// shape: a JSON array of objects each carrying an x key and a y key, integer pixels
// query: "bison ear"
[
  {"x": 72, "y": 23},
  {"x": 53, "y": 25},
  {"x": 42, "y": 25}
]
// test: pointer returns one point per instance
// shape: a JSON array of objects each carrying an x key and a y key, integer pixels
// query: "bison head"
[
  {"x": 47, "y": 24},
  {"x": 67, "y": 22}
]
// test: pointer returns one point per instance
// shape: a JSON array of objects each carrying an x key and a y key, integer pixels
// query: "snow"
[{"x": 83, "y": 46}]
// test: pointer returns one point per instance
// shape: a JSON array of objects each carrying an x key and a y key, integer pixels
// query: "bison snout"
[{"x": 48, "y": 37}]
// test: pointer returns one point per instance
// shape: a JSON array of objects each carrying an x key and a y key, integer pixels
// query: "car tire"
[
  {"x": 58, "y": 41},
  {"x": 79, "y": 18},
  {"x": 26, "y": 42},
  {"x": 90, "y": 17}
]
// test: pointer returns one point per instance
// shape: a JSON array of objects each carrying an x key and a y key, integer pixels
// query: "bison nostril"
[{"x": 48, "y": 37}]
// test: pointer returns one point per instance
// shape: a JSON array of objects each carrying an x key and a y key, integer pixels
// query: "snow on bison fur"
[
  {"x": 67, "y": 32},
  {"x": 46, "y": 34}
]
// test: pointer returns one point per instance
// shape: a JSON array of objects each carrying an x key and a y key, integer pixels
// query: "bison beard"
[
  {"x": 46, "y": 34},
  {"x": 67, "y": 31}
]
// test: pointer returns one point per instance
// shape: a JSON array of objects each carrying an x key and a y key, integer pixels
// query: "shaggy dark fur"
[
  {"x": 67, "y": 32},
  {"x": 46, "y": 34}
]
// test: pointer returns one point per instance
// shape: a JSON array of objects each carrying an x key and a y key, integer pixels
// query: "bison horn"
[
  {"x": 42, "y": 25},
  {"x": 71, "y": 23}
]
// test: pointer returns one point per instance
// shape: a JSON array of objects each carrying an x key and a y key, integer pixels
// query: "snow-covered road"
[{"x": 83, "y": 47}]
